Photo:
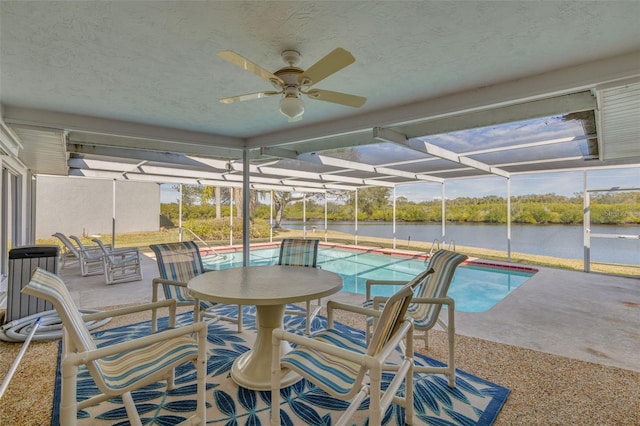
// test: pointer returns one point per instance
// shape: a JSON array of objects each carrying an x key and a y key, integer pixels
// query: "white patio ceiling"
[{"x": 128, "y": 91}]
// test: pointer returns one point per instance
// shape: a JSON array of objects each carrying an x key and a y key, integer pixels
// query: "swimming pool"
[{"x": 474, "y": 288}]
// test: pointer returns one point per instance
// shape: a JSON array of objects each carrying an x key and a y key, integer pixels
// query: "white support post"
[
  {"x": 113, "y": 215},
  {"x": 394, "y": 217},
  {"x": 246, "y": 213},
  {"x": 586, "y": 224},
  {"x": 325, "y": 218},
  {"x": 304, "y": 216},
  {"x": 180, "y": 216},
  {"x": 444, "y": 212},
  {"x": 231, "y": 216},
  {"x": 509, "y": 219},
  {"x": 271, "y": 216},
  {"x": 356, "y": 213}
]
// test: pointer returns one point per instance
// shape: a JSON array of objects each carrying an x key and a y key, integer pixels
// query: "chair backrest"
[
  {"x": 298, "y": 252},
  {"x": 89, "y": 254},
  {"x": 179, "y": 261},
  {"x": 392, "y": 316},
  {"x": 50, "y": 287},
  {"x": 444, "y": 264},
  {"x": 67, "y": 243},
  {"x": 103, "y": 248}
]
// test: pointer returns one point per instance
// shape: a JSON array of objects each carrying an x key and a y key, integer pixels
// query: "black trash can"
[{"x": 22, "y": 262}]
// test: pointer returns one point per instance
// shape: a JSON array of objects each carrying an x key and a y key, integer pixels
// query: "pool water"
[{"x": 474, "y": 288}]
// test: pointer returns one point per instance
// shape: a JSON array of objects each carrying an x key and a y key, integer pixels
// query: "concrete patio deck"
[{"x": 586, "y": 316}]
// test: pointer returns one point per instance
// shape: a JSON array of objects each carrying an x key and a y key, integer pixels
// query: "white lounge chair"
[{"x": 121, "y": 264}]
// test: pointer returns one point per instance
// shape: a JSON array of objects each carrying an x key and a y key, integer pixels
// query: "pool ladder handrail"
[
  {"x": 211, "y": 253},
  {"x": 436, "y": 244}
]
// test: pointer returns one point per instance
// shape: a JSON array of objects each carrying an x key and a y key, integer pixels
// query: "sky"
[
  {"x": 560, "y": 183},
  {"x": 496, "y": 136}
]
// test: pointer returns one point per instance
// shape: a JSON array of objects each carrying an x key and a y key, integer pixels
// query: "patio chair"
[
  {"x": 120, "y": 264},
  {"x": 299, "y": 252},
  {"x": 177, "y": 264},
  {"x": 346, "y": 367},
  {"x": 425, "y": 307},
  {"x": 90, "y": 258},
  {"x": 69, "y": 251},
  {"x": 122, "y": 367}
]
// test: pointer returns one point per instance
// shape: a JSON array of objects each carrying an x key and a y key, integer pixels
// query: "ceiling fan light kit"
[
  {"x": 291, "y": 106},
  {"x": 292, "y": 82}
]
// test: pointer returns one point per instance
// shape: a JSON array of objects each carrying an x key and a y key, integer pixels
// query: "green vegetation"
[
  {"x": 620, "y": 208},
  {"x": 376, "y": 204}
]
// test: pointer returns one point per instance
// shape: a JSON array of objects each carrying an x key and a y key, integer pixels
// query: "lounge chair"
[
  {"x": 69, "y": 252},
  {"x": 425, "y": 307},
  {"x": 299, "y": 252},
  {"x": 89, "y": 258},
  {"x": 346, "y": 367},
  {"x": 121, "y": 264},
  {"x": 122, "y": 367},
  {"x": 177, "y": 264}
]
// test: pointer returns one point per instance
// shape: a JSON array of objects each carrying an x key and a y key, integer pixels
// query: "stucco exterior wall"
[{"x": 84, "y": 206}]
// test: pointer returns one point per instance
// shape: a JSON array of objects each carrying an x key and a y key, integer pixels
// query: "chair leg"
[
  {"x": 408, "y": 383},
  {"x": 451, "y": 336},
  {"x": 275, "y": 382},
  {"x": 307, "y": 330},
  {"x": 132, "y": 412},
  {"x": 68, "y": 403},
  {"x": 201, "y": 374}
]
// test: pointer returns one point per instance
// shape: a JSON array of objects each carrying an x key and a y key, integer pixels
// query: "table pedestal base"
[{"x": 252, "y": 369}]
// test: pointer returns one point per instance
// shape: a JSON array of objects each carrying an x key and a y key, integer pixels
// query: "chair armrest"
[
  {"x": 157, "y": 281},
  {"x": 170, "y": 303},
  {"x": 434, "y": 301},
  {"x": 333, "y": 305},
  {"x": 85, "y": 357},
  {"x": 371, "y": 283},
  {"x": 379, "y": 300}
]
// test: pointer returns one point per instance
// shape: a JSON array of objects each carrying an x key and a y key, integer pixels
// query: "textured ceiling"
[{"x": 156, "y": 63}]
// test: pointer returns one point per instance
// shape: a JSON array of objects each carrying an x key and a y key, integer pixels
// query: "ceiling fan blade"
[
  {"x": 333, "y": 62},
  {"x": 336, "y": 97},
  {"x": 244, "y": 63},
  {"x": 248, "y": 97}
]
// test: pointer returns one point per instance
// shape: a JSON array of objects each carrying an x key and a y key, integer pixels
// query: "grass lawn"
[{"x": 143, "y": 239}]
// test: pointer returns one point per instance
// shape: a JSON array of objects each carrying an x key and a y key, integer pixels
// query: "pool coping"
[{"x": 386, "y": 251}]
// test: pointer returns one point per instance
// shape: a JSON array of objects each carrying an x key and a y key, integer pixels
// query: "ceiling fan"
[{"x": 292, "y": 82}]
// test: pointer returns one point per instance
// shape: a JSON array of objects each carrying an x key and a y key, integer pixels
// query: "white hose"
[{"x": 50, "y": 326}]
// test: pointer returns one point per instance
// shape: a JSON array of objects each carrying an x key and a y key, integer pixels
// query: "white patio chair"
[
  {"x": 301, "y": 252},
  {"x": 348, "y": 368},
  {"x": 431, "y": 295},
  {"x": 120, "y": 368},
  {"x": 90, "y": 258},
  {"x": 121, "y": 264},
  {"x": 177, "y": 263}
]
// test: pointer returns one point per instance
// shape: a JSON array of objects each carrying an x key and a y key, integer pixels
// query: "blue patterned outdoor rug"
[{"x": 474, "y": 401}]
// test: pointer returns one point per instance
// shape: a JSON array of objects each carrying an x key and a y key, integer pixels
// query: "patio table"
[{"x": 270, "y": 288}]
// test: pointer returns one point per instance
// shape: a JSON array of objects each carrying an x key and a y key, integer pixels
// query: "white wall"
[{"x": 85, "y": 206}]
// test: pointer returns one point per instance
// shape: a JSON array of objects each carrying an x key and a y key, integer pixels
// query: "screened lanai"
[{"x": 386, "y": 157}]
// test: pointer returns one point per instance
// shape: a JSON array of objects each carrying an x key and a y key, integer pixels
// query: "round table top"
[{"x": 265, "y": 285}]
